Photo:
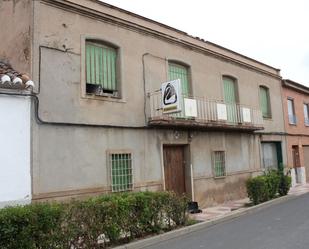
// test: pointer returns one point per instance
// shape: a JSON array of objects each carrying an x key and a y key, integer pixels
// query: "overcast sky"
[{"x": 274, "y": 32}]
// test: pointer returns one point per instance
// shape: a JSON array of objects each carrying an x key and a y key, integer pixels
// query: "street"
[{"x": 282, "y": 226}]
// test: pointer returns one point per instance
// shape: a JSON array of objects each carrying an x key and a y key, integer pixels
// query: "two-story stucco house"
[{"x": 99, "y": 125}]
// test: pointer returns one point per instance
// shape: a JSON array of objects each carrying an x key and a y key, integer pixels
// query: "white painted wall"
[{"x": 15, "y": 177}]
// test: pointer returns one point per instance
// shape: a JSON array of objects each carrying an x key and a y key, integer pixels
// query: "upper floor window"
[
  {"x": 306, "y": 114},
  {"x": 178, "y": 71},
  {"x": 265, "y": 102},
  {"x": 291, "y": 112},
  {"x": 101, "y": 69}
]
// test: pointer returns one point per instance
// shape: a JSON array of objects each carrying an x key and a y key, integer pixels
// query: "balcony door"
[{"x": 230, "y": 98}]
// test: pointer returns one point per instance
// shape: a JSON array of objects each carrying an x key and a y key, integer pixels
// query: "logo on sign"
[{"x": 170, "y": 96}]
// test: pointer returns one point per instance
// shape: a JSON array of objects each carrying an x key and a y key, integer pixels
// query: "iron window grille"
[
  {"x": 121, "y": 172},
  {"x": 219, "y": 164}
]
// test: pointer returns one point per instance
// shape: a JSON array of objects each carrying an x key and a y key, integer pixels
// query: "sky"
[{"x": 274, "y": 32}]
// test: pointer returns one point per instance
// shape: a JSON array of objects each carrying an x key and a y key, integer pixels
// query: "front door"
[{"x": 174, "y": 168}]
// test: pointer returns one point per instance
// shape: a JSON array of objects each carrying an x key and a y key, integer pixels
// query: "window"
[
  {"x": 291, "y": 112},
  {"x": 101, "y": 71},
  {"x": 265, "y": 102},
  {"x": 270, "y": 156},
  {"x": 121, "y": 171},
  {"x": 219, "y": 163},
  {"x": 306, "y": 114},
  {"x": 178, "y": 71}
]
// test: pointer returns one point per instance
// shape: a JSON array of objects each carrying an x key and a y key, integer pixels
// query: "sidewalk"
[{"x": 228, "y": 207}]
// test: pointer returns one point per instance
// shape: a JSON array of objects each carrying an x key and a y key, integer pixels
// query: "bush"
[
  {"x": 266, "y": 187},
  {"x": 109, "y": 219},
  {"x": 257, "y": 189},
  {"x": 284, "y": 185},
  {"x": 273, "y": 181},
  {"x": 32, "y": 226}
]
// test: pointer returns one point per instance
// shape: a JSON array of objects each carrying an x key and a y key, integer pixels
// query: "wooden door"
[
  {"x": 306, "y": 161},
  {"x": 174, "y": 171}
]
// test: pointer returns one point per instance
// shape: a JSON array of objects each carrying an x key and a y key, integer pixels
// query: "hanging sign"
[{"x": 171, "y": 96}]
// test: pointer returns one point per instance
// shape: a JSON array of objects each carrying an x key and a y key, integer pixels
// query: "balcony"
[{"x": 201, "y": 113}]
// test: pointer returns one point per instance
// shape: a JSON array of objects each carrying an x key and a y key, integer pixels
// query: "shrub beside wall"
[
  {"x": 95, "y": 223},
  {"x": 268, "y": 186}
]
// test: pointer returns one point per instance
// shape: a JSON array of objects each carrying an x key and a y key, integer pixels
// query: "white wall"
[{"x": 15, "y": 178}]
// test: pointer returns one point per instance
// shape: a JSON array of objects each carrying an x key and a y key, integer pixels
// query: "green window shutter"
[
  {"x": 230, "y": 97},
  {"x": 101, "y": 66},
  {"x": 264, "y": 102},
  {"x": 229, "y": 90},
  {"x": 177, "y": 71}
]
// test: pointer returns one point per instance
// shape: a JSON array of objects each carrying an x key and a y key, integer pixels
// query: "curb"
[{"x": 190, "y": 229}]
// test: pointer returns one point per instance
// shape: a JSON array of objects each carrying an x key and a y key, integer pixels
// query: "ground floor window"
[
  {"x": 121, "y": 171},
  {"x": 272, "y": 155},
  {"x": 219, "y": 163}
]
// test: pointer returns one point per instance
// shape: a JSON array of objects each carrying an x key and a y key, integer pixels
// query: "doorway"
[{"x": 174, "y": 168}]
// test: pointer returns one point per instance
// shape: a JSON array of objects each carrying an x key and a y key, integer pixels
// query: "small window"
[
  {"x": 291, "y": 112},
  {"x": 265, "y": 102},
  {"x": 306, "y": 114},
  {"x": 121, "y": 172},
  {"x": 101, "y": 71},
  {"x": 219, "y": 163}
]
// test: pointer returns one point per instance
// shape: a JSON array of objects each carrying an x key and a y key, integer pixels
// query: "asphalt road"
[{"x": 282, "y": 226}]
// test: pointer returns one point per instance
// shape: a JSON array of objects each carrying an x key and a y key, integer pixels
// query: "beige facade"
[{"x": 74, "y": 133}]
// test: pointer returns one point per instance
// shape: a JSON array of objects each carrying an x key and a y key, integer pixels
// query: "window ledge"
[
  {"x": 104, "y": 98},
  {"x": 219, "y": 177}
]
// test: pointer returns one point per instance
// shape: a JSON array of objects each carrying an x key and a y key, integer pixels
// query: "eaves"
[{"x": 114, "y": 20}]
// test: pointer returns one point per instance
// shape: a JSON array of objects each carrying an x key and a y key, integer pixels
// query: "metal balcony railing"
[{"x": 208, "y": 113}]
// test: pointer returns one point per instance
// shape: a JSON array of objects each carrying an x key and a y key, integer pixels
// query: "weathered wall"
[
  {"x": 15, "y": 180},
  {"x": 71, "y": 160},
  {"x": 15, "y": 20},
  {"x": 68, "y": 30}
]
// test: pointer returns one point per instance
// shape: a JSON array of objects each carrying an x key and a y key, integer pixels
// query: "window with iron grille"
[
  {"x": 101, "y": 69},
  {"x": 121, "y": 171},
  {"x": 219, "y": 163}
]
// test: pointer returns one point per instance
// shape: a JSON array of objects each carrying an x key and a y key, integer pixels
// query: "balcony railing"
[{"x": 207, "y": 113}]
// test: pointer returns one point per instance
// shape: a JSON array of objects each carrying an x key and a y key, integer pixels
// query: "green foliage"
[
  {"x": 273, "y": 180},
  {"x": 32, "y": 226},
  {"x": 285, "y": 184},
  {"x": 268, "y": 186},
  {"x": 257, "y": 189},
  {"x": 108, "y": 219}
]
